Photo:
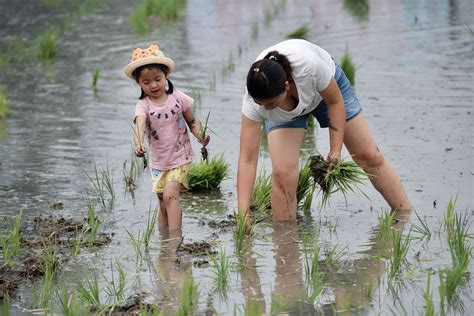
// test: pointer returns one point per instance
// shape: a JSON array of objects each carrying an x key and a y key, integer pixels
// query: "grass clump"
[
  {"x": 151, "y": 12},
  {"x": 3, "y": 103},
  {"x": 348, "y": 67},
  {"x": 300, "y": 32},
  {"x": 47, "y": 44},
  {"x": 207, "y": 175},
  {"x": 344, "y": 177}
]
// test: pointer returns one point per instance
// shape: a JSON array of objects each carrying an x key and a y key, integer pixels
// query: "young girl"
[{"x": 160, "y": 113}]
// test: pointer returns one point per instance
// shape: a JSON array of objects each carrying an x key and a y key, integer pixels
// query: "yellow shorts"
[{"x": 178, "y": 174}]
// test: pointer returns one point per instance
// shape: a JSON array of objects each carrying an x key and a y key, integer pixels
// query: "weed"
[
  {"x": 348, "y": 67},
  {"x": 3, "y": 104},
  {"x": 301, "y": 32}
]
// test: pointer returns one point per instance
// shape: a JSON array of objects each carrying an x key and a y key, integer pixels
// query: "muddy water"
[{"x": 414, "y": 77}]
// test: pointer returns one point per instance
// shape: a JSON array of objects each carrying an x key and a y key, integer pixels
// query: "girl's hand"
[
  {"x": 139, "y": 151},
  {"x": 333, "y": 158},
  {"x": 204, "y": 141}
]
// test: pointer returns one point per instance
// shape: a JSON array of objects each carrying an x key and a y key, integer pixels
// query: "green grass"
[
  {"x": 348, "y": 67},
  {"x": 301, "y": 32},
  {"x": 149, "y": 13},
  {"x": 4, "y": 108},
  {"x": 207, "y": 175}
]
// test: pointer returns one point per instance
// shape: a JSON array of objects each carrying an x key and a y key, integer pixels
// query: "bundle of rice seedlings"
[
  {"x": 344, "y": 177},
  {"x": 207, "y": 175},
  {"x": 305, "y": 189}
]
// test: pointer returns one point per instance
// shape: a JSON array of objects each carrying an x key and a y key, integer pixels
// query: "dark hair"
[
  {"x": 165, "y": 69},
  {"x": 266, "y": 77}
]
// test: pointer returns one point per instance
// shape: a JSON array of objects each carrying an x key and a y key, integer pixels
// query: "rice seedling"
[
  {"x": 68, "y": 301},
  {"x": 311, "y": 252},
  {"x": 130, "y": 177},
  {"x": 385, "y": 225},
  {"x": 358, "y": 8},
  {"x": 102, "y": 183},
  {"x": 3, "y": 104},
  {"x": 89, "y": 290},
  {"x": 367, "y": 291},
  {"x": 229, "y": 67},
  {"x": 11, "y": 243},
  {"x": 242, "y": 230},
  {"x": 278, "y": 305},
  {"x": 150, "y": 226},
  {"x": 423, "y": 229},
  {"x": 261, "y": 195},
  {"x": 255, "y": 30},
  {"x": 47, "y": 44},
  {"x": 108, "y": 183},
  {"x": 457, "y": 229},
  {"x": 305, "y": 189},
  {"x": 196, "y": 95},
  {"x": 333, "y": 255},
  {"x": 202, "y": 136},
  {"x": 95, "y": 78},
  {"x": 221, "y": 267},
  {"x": 428, "y": 297},
  {"x": 5, "y": 310},
  {"x": 301, "y": 32},
  {"x": 399, "y": 252},
  {"x": 115, "y": 290},
  {"x": 189, "y": 297},
  {"x": 150, "y": 12},
  {"x": 207, "y": 175},
  {"x": 137, "y": 243},
  {"x": 344, "y": 177},
  {"x": 348, "y": 67},
  {"x": 91, "y": 230},
  {"x": 451, "y": 278}
]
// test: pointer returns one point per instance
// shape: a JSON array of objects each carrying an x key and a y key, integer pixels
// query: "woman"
[{"x": 288, "y": 82}]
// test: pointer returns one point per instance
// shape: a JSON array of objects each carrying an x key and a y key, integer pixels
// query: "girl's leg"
[
  {"x": 284, "y": 145},
  {"x": 162, "y": 215},
  {"x": 361, "y": 145},
  {"x": 171, "y": 202}
]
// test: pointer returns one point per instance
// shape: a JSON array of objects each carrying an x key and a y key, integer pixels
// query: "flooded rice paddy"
[{"x": 414, "y": 76}]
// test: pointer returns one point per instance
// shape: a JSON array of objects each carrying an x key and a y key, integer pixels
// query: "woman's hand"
[{"x": 333, "y": 158}]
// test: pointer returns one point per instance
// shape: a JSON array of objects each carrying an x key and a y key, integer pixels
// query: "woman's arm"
[
  {"x": 195, "y": 127},
  {"x": 337, "y": 118},
  {"x": 248, "y": 157}
]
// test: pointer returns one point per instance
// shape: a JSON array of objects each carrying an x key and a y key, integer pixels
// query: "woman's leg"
[
  {"x": 171, "y": 202},
  {"x": 361, "y": 145},
  {"x": 284, "y": 145},
  {"x": 162, "y": 215}
]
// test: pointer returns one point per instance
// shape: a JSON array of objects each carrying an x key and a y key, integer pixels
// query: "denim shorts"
[{"x": 351, "y": 104}]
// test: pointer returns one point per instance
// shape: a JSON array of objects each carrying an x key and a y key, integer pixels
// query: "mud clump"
[{"x": 319, "y": 168}]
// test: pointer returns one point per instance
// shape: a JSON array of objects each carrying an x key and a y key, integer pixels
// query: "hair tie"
[
  {"x": 272, "y": 57},
  {"x": 256, "y": 69}
]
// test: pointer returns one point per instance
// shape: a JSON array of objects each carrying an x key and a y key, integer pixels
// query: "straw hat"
[{"x": 151, "y": 55}]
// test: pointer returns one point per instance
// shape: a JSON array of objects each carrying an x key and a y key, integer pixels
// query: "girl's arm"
[
  {"x": 337, "y": 119},
  {"x": 247, "y": 167},
  {"x": 195, "y": 127},
  {"x": 140, "y": 122}
]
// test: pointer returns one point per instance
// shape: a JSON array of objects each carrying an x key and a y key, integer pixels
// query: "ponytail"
[{"x": 266, "y": 77}]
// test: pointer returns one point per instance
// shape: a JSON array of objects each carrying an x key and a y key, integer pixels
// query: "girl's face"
[
  {"x": 270, "y": 104},
  {"x": 153, "y": 82}
]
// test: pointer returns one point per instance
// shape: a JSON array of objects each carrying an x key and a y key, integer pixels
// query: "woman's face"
[{"x": 270, "y": 104}]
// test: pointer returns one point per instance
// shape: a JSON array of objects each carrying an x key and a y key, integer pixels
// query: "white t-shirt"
[{"x": 312, "y": 68}]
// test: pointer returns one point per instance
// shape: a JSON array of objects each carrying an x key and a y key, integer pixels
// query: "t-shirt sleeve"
[
  {"x": 249, "y": 108},
  {"x": 186, "y": 101},
  {"x": 140, "y": 110},
  {"x": 322, "y": 75}
]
